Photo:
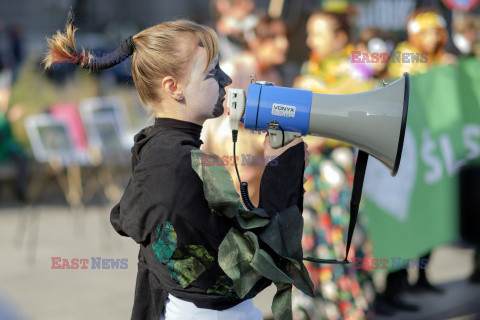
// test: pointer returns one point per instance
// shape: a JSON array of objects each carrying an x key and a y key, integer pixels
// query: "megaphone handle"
[{"x": 280, "y": 138}]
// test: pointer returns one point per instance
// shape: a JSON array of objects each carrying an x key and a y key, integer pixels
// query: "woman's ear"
[{"x": 171, "y": 88}]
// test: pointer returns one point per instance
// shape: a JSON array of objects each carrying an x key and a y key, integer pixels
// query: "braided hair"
[
  {"x": 165, "y": 49},
  {"x": 63, "y": 46}
]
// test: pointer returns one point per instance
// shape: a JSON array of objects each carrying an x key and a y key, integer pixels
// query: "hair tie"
[
  {"x": 131, "y": 44},
  {"x": 106, "y": 61}
]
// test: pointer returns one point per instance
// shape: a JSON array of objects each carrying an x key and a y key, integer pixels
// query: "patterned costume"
[
  {"x": 341, "y": 292},
  {"x": 332, "y": 74}
]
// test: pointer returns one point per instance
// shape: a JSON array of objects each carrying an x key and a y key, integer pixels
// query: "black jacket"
[{"x": 164, "y": 188}]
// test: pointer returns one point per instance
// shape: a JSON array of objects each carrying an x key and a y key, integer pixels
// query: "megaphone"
[{"x": 372, "y": 121}]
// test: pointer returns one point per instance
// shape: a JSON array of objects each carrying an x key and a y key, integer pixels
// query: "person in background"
[
  {"x": 466, "y": 35},
  {"x": 427, "y": 34},
  {"x": 265, "y": 51},
  {"x": 373, "y": 41},
  {"x": 329, "y": 68},
  {"x": 11, "y": 152},
  {"x": 340, "y": 292},
  {"x": 466, "y": 38},
  {"x": 234, "y": 24},
  {"x": 16, "y": 44},
  {"x": 427, "y": 37}
]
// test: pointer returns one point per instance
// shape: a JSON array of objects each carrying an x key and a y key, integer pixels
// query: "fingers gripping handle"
[{"x": 280, "y": 138}]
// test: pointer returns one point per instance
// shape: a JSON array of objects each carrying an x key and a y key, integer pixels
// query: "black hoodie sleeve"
[
  {"x": 281, "y": 185},
  {"x": 147, "y": 200},
  {"x": 166, "y": 188}
]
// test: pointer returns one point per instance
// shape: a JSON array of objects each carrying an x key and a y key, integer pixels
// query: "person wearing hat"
[{"x": 427, "y": 39}]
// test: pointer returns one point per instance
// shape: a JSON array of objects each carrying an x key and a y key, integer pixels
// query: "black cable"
[
  {"x": 235, "y": 161},
  {"x": 243, "y": 185}
]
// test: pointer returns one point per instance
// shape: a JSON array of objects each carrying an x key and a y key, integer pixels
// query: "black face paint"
[
  {"x": 218, "y": 109},
  {"x": 223, "y": 80}
]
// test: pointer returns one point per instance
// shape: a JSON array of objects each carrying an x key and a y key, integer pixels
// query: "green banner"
[{"x": 418, "y": 209}]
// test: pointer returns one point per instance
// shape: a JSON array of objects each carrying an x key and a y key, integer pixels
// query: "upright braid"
[{"x": 64, "y": 45}]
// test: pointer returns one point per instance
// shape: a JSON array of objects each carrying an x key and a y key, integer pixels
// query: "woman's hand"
[{"x": 271, "y": 153}]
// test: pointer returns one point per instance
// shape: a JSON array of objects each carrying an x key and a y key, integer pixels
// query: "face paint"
[
  {"x": 223, "y": 80},
  {"x": 205, "y": 91}
]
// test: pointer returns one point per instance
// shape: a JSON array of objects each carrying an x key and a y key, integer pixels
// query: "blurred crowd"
[{"x": 341, "y": 60}]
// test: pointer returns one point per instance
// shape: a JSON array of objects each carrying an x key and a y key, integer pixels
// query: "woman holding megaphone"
[{"x": 201, "y": 254}]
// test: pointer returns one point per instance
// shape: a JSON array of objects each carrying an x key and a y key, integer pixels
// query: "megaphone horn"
[{"x": 372, "y": 121}]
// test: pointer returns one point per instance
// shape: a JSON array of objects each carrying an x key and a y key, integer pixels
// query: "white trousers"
[{"x": 177, "y": 309}]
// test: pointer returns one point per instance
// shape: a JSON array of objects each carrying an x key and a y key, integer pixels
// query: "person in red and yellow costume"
[
  {"x": 427, "y": 39},
  {"x": 329, "y": 68}
]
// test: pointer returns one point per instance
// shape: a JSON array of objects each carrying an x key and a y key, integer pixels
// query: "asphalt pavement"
[{"x": 35, "y": 283}]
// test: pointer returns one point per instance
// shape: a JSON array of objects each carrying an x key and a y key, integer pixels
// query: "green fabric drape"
[{"x": 240, "y": 255}]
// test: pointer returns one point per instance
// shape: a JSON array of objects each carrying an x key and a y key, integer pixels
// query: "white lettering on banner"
[
  {"x": 451, "y": 165},
  {"x": 434, "y": 173},
  {"x": 393, "y": 194},
  {"x": 470, "y": 132},
  {"x": 283, "y": 110}
]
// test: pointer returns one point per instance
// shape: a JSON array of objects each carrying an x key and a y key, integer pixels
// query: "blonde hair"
[{"x": 162, "y": 50}]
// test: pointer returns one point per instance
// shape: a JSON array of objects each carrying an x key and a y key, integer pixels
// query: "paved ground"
[{"x": 31, "y": 290}]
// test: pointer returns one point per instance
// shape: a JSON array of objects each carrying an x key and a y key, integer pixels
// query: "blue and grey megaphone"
[{"x": 372, "y": 121}]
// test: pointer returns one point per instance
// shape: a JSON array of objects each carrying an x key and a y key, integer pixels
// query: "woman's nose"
[{"x": 225, "y": 80}]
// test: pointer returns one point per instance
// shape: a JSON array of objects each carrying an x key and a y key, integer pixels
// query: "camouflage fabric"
[
  {"x": 186, "y": 263},
  {"x": 223, "y": 286},
  {"x": 240, "y": 255},
  {"x": 165, "y": 243},
  {"x": 221, "y": 194}
]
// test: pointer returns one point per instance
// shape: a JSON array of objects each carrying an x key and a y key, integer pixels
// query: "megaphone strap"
[
  {"x": 330, "y": 261},
  {"x": 360, "y": 168}
]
